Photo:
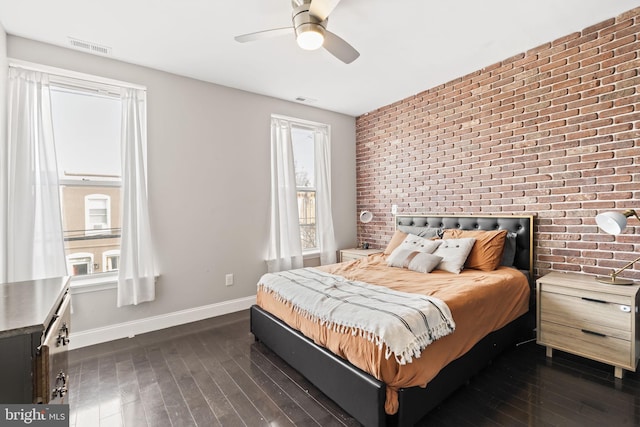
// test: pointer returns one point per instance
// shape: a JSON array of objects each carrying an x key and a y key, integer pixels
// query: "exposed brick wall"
[{"x": 553, "y": 132}]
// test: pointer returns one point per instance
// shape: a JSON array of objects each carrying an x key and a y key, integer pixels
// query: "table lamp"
[
  {"x": 365, "y": 218},
  {"x": 615, "y": 223}
]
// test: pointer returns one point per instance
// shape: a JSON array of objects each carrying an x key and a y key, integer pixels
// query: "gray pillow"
[
  {"x": 427, "y": 232},
  {"x": 424, "y": 262},
  {"x": 509, "y": 252}
]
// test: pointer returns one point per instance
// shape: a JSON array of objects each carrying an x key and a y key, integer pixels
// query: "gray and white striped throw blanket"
[{"x": 405, "y": 322}]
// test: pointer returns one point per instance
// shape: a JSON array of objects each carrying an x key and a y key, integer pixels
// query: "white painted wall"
[
  {"x": 3, "y": 84},
  {"x": 208, "y": 155},
  {"x": 3, "y": 131}
]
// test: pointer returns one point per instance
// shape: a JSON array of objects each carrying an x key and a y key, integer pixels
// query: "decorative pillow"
[
  {"x": 487, "y": 252},
  {"x": 509, "y": 253},
  {"x": 424, "y": 262},
  {"x": 410, "y": 246},
  {"x": 395, "y": 241},
  {"x": 454, "y": 253},
  {"x": 400, "y": 257}
]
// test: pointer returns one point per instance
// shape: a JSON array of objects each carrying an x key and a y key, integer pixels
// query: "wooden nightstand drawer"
[
  {"x": 356, "y": 253},
  {"x": 591, "y": 344},
  {"x": 579, "y": 315},
  {"x": 597, "y": 315}
]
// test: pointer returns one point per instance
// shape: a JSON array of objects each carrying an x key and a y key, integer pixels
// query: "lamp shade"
[
  {"x": 611, "y": 222},
  {"x": 366, "y": 217}
]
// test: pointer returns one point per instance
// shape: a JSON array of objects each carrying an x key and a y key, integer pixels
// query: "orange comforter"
[{"x": 480, "y": 302}]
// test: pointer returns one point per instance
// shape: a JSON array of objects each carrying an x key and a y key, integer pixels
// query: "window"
[
  {"x": 303, "y": 153},
  {"x": 111, "y": 260},
  {"x": 300, "y": 186},
  {"x": 86, "y": 126},
  {"x": 80, "y": 263},
  {"x": 97, "y": 214}
]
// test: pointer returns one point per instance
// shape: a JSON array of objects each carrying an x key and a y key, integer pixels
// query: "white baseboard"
[{"x": 154, "y": 323}]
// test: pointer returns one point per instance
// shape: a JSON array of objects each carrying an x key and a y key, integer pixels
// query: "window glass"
[
  {"x": 86, "y": 126},
  {"x": 303, "y": 154}
]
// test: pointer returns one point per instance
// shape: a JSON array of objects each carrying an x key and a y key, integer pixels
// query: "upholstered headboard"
[{"x": 521, "y": 225}]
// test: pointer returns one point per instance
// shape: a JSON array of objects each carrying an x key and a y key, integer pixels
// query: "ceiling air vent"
[
  {"x": 305, "y": 99},
  {"x": 89, "y": 46}
]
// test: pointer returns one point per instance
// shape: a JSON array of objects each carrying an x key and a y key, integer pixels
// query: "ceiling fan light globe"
[{"x": 310, "y": 37}]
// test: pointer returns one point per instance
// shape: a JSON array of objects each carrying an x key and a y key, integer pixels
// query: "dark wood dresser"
[{"x": 35, "y": 317}]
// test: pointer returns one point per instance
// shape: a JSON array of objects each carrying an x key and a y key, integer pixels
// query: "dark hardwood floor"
[{"x": 212, "y": 373}]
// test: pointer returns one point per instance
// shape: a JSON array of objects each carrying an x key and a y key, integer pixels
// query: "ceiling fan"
[{"x": 309, "y": 19}]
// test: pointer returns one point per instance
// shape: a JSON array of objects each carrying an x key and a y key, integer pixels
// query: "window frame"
[{"x": 89, "y": 87}]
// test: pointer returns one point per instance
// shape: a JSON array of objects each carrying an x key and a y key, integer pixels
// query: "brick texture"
[{"x": 553, "y": 132}]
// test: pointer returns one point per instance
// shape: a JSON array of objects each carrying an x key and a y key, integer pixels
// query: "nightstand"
[
  {"x": 579, "y": 315},
  {"x": 355, "y": 253}
]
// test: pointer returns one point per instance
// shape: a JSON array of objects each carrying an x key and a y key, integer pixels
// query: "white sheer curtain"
[
  {"x": 285, "y": 249},
  {"x": 324, "y": 219},
  {"x": 136, "y": 275},
  {"x": 31, "y": 238}
]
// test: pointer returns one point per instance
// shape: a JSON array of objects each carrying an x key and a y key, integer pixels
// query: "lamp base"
[{"x": 614, "y": 280}]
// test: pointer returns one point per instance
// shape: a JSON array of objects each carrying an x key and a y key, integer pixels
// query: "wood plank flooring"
[{"x": 212, "y": 373}]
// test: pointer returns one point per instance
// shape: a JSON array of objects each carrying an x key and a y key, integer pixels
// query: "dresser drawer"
[
  {"x": 597, "y": 315},
  {"x": 603, "y": 348},
  {"x": 52, "y": 365}
]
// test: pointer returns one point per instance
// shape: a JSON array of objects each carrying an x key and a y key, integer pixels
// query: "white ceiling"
[{"x": 406, "y": 46}]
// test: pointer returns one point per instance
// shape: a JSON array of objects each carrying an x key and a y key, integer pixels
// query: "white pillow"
[
  {"x": 401, "y": 256},
  {"x": 424, "y": 262},
  {"x": 454, "y": 253}
]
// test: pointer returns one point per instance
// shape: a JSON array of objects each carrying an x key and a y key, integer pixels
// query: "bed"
[{"x": 369, "y": 399}]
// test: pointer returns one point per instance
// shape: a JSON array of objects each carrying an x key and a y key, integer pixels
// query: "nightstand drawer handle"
[
  {"x": 594, "y": 300},
  {"x": 625, "y": 308},
  {"x": 593, "y": 333}
]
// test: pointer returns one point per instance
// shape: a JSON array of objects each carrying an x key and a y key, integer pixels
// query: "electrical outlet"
[
  {"x": 228, "y": 279},
  {"x": 394, "y": 209}
]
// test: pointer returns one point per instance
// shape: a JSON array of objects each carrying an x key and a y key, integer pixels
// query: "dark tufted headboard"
[{"x": 522, "y": 225}]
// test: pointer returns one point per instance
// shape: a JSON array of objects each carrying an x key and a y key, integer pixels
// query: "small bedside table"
[
  {"x": 579, "y": 315},
  {"x": 355, "y": 253}
]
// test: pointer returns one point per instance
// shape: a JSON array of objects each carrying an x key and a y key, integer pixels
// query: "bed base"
[{"x": 363, "y": 396}]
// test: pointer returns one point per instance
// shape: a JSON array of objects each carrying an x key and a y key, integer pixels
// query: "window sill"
[
  {"x": 94, "y": 283},
  {"x": 311, "y": 254}
]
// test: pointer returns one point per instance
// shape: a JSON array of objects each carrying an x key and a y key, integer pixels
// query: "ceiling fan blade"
[
  {"x": 339, "y": 48},
  {"x": 266, "y": 34},
  {"x": 322, "y": 8}
]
